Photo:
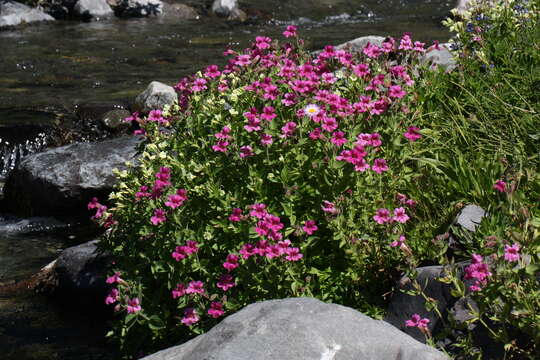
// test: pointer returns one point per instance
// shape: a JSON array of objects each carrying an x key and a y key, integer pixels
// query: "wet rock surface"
[
  {"x": 92, "y": 9},
  {"x": 13, "y": 13},
  {"x": 300, "y": 328},
  {"x": 155, "y": 96},
  {"x": 63, "y": 180}
]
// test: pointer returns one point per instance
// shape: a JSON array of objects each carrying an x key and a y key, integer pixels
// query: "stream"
[{"x": 46, "y": 70}]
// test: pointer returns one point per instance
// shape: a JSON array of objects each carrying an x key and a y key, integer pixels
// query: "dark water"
[{"x": 45, "y": 70}]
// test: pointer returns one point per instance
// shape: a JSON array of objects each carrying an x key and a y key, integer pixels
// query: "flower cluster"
[{"x": 477, "y": 271}]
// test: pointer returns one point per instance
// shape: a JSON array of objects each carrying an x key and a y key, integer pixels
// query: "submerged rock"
[
  {"x": 156, "y": 96},
  {"x": 92, "y": 9},
  {"x": 13, "y": 13},
  {"x": 300, "y": 328},
  {"x": 62, "y": 181}
]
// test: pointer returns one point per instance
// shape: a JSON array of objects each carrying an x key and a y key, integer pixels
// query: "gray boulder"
[
  {"x": 13, "y": 13},
  {"x": 156, "y": 96},
  {"x": 300, "y": 329},
  {"x": 137, "y": 8},
  {"x": 358, "y": 44},
  {"x": 442, "y": 57},
  {"x": 470, "y": 217},
  {"x": 82, "y": 270},
  {"x": 92, "y": 9},
  {"x": 63, "y": 180}
]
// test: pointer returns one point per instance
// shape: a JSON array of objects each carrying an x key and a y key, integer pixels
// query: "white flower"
[{"x": 311, "y": 110}]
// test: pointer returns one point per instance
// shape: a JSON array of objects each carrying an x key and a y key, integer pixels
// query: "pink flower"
[
  {"x": 479, "y": 271},
  {"x": 190, "y": 317},
  {"x": 159, "y": 217},
  {"x": 225, "y": 282},
  {"x": 511, "y": 253},
  {"x": 328, "y": 78},
  {"x": 288, "y": 129},
  {"x": 269, "y": 113},
  {"x": 179, "y": 291},
  {"x": 500, "y": 186},
  {"x": 236, "y": 215},
  {"x": 372, "y": 51},
  {"x": 175, "y": 201},
  {"x": 112, "y": 297},
  {"x": 191, "y": 247},
  {"x": 266, "y": 139},
  {"x": 212, "y": 71},
  {"x": 417, "y": 321},
  {"x": 114, "y": 278},
  {"x": 224, "y": 134},
  {"x": 329, "y": 124},
  {"x": 247, "y": 251},
  {"x": 246, "y": 151},
  {"x": 400, "y": 215},
  {"x": 382, "y": 216},
  {"x": 310, "y": 227},
  {"x": 361, "y": 70},
  {"x": 180, "y": 253},
  {"x": 395, "y": 91},
  {"x": 316, "y": 134},
  {"x": 242, "y": 60},
  {"x": 375, "y": 139},
  {"x": 329, "y": 207},
  {"x": 338, "y": 138},
  {"x": 290, "y": 31},
  {"x": 412, "y": 133},
  {"x": 216, "y": 309},
  {"x": 133, "y": 305},
  {"x": 379, "y": 166},
  {"x": 195, "y": 287},
  {"x": 231, "y": 263},
  {"x": 258, "y": 210},
  {"x": 199, "y": 84},
  {"x": 400, "y": 242},
  {"x": 142, "y": 193},
  {"x": 221, "y": 146},
  {"x": 293, "y": 254}
]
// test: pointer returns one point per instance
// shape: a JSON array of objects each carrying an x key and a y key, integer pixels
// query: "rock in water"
[
  {"x": 156, "y": 96},
  {"x": 300, "y": 329},
  {"x": 13, "y": 13},
  {"x": 62, "y": 181},
  {"x": 92, "y": 9}
]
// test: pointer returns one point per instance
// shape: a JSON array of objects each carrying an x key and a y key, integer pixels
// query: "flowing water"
[{"x": 47, "y": 69}]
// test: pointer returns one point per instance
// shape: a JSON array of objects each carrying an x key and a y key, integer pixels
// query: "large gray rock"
[
  {"x": 442, "y": 57},
  {"x": 82, "y": 270},
  {"x": 137, "y": 8},
  {"x": 63, "y": 180},
  {"x": 156, "y": 96},
  {"x": 358, "y": 44},
  {"x": 300, "y": 329},
  {"x": 13, "y": 13},
  {"x": 93, "y": 9}
]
